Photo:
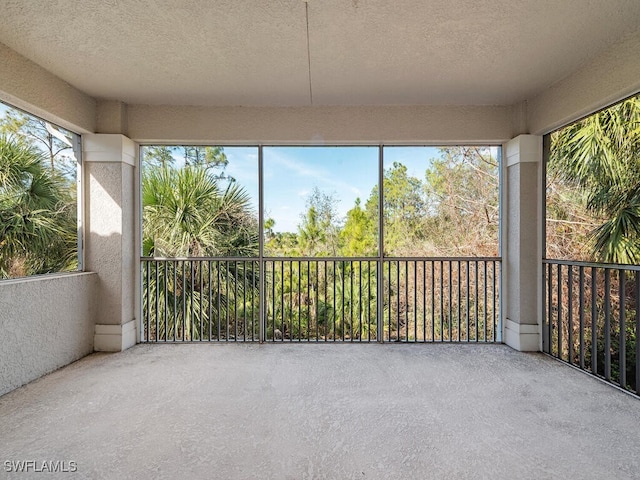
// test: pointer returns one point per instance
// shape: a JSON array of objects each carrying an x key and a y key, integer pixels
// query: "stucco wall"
[
  {"x": 46, "y": 322},
  {"x": 321, "y": 125},
  {"x": 110, "y": 239},
  {"x": 603, "y": 81},
  {"x": 27, "y": 85}
]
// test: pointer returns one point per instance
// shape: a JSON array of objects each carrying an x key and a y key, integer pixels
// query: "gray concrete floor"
[{"x": 321, "y": 411}]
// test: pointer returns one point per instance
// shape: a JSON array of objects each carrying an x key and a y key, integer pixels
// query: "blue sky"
[{"x": 291, "y": 173}]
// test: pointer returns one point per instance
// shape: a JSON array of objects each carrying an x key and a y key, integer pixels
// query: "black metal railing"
[
  {"x": 592, "y": 319},
  {"x": 337, "y": 299},
  {"x": 321, "y": 299},
  {"x": 442, "y": 299},
  {"x": 200, "y": 299}
]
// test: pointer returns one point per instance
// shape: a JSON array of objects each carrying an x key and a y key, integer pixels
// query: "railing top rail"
[
  {"x": 197, "y": 259},
  {"x": 578, "y": 263},
  {"x": 444, "y": 259},
  {"x": 325, "y": 259}
]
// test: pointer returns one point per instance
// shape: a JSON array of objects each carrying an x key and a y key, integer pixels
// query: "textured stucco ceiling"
[{"x": 361, "y": 52}]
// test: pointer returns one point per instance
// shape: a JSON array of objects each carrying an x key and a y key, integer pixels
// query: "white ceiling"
[{"x": 362, "y": 52}]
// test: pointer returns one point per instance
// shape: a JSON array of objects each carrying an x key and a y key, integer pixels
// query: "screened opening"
[
  {"x": 442, "y": 201},
  {"x": 327, "y": 266},
  {"x": 593, "y": 187},
  {"x": 319, "y": 201},
  {"x": 39, "y": 196},
  {"x": 592, "y": 244},
  {"x": 199, "y": 201}
]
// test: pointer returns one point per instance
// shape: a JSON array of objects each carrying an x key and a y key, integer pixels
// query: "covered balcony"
[{"x": 372, "y": 361}]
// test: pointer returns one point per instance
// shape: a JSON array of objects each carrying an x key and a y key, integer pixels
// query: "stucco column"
[
  {"x": 522, "y": 259},
  {"x": 109, "y": 162}
]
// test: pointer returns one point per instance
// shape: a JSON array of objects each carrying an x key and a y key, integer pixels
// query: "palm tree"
[
  {"x": 38, "y": 229},
  {"x": 601, "y": 155},
  {"x": 186, "y": 213}
]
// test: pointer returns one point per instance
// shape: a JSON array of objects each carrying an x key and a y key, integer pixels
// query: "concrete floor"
[{"x": 321, "y": 411}]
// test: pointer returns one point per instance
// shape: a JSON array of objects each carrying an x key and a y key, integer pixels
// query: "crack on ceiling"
[{"x": 306, "y": 11}]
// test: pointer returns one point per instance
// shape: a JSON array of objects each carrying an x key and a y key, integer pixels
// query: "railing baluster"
[
  {"x": 548, "y": 320},
  {"x": 360, "y": 301},
  {"x": 607, "y": 324},
  {"x": 200, "y": 292},
  {"x": 450, "y": 291},
  {"x": 441, "y": 301},
  {"x": 594, "y": 321},
  {"x": 219, "y": 290},
  {"x": 209, "y": 295},
  {"x": 494, "y": 279},
  {"x": 351, "y": 301},
  {"x": 244, "y": 301},
  {"x": 273, "y": 300},
  {"x": 637, "y": 307},
  {"x": 235, "y": 301},
  {"x": 317, "y": 302},
  {"x": 477, "y": 283},
  {"x": 459, "y": 301},
  {"x": 581, "y": 314},
  {"x": 467, "y": 302},
  {"x": 342, "y": 299},
  {"x": 334, "y": 301},
  {"x": 559, "y": 317},
  {"x": 623, "y": 334},
  {"x": 290, "y": 302},
  {"x": 398, "y": 295},
  {"x": 570, "y": 313},
  {"x": 484, "y": 305},
  {"x": 326, "y": 301},
  {"x": 164, "y": 297},
  {"x": 183, "y": 291},
  {"x": 308, "y": 301},
  {"x": 389, "y": 303},
  {"x": 415, "y": 301},
  {"x": 147, "y": 267},
  {"x": 252, "y": 301},
  {"x": 157, "y": 299},
  {"x": 299, "y": 303}
]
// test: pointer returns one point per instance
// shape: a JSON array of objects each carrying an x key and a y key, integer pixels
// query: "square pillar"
[
  {"x": 523, "y": 258},
  {"x": 110, "y": 232}
]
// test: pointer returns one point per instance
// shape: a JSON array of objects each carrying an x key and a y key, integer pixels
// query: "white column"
[
  {"x": 110, "y": 231},
  {"x": 523, "y": 256}
]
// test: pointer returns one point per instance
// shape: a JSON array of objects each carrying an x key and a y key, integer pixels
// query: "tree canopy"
[{"x": 594, "y": 187}]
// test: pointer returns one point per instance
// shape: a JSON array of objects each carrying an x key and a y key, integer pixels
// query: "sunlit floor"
[{"x": 320, "y": 411}]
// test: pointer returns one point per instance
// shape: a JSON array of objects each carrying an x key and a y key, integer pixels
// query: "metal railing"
[
  {"x": 442, "y": 300},
  {"x": 337, "y": 299},
  {"x": 321, "y": 299},
  {"x": 200, "y": 299},
  {"x": 592, "y": 319}
]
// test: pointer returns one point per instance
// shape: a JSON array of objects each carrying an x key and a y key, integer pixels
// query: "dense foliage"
[{"x": 38, "y": 218}]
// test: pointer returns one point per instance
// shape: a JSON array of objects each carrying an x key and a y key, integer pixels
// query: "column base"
[
  {"x": 114, "y": 338},
  {"x": 522, "y": 337}
]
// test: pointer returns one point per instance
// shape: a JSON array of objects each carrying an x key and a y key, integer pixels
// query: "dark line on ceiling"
[{"x": 306, "y": 10}]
